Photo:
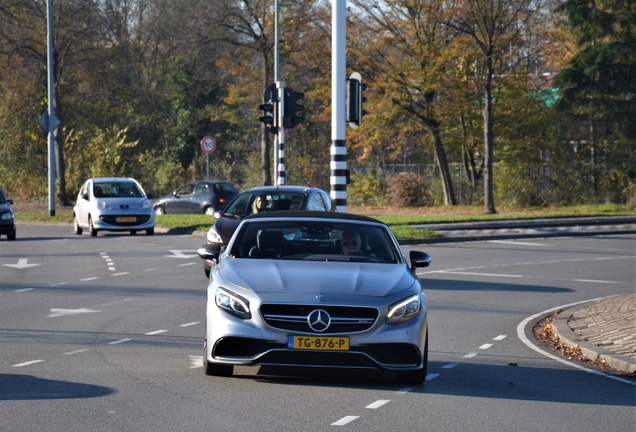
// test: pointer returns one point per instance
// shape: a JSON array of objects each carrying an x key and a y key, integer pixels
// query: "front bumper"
[
  {"x": 233, "y": 341},
  {"x": 121, "y": 221}
]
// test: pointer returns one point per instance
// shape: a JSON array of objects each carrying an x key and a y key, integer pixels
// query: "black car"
[
  {"x": 264, "y": 199},
  {"x": 204, "y": 196},
  {"x": 7, "y": 217}
]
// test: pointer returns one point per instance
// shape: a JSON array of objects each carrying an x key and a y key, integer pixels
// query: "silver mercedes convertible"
[{"x": 315, "y": 289}]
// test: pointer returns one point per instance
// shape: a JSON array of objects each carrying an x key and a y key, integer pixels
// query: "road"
[{"x": 105, "y": 334}]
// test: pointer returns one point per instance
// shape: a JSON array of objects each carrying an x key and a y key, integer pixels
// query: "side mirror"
[
  {"x": 84, "y": 197},
  {"x": 419, "y": 259},
  {"x": 210, "y": 251},
  {"x": 150, "y": 196},
  {"x": 10, "y": 202}
]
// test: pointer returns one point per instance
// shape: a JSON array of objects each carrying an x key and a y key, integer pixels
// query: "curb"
[{"x": 567, "y": 336}]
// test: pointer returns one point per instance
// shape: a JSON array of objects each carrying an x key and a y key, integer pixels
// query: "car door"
[
  {"x": 201, "y": 198},
  {"x": 83, "y": 203},
  {"x": 180, "y": 202}
]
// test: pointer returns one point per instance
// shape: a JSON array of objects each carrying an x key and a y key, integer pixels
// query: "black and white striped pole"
[{"x": 338, "y": 151}]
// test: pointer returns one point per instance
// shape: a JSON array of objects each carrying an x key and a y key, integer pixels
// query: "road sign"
[
  {"x": 49, "y": 122},
  {"x": 208, "y": 145}
]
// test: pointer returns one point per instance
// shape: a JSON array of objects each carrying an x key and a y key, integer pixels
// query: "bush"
[
  {"x": 366, "y": 189},
  {"x": 409, "y": 190}
]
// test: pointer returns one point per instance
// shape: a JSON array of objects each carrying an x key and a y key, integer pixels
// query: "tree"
[
  {"x": 494, "y": 26},
  {"x": 598, "y": 86},
  {"x": 408, "y": 56}
]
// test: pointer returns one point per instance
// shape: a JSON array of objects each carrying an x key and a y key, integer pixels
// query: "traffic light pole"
[
  {"x": 338, "y": 151},
  {"x": 280, "y": 151},
  {"x": 279, "y": 142}
]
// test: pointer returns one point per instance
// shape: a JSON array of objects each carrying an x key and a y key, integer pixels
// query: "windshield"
[
  {"x": 249, "y": 203},
  {"x": 314, "y": 240},
  {"x": 117, "y": 189}
]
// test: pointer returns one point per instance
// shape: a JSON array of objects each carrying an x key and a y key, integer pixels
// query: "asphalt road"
[{"x": 105, "y": 334}]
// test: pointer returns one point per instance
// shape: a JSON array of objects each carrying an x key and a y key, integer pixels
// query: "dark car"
[
  {"x": 204, "y": 196},
  {"x": 272, "y": 198},
  {"x": 7, "y": 217}
]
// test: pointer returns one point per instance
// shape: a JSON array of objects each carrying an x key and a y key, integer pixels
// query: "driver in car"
[{"x": 351, "y": 243}]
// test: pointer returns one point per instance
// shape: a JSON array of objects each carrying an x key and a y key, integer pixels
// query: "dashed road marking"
[
  {"x": 485, "y": 346},
  {"x": 189, "y": 324},
  {"x": 450, "y": 365},
  {"x": 345, "y": 420},
  {"x": 470, "y": 355},
  {"x": 156, "y": 332},
  {"x": 500, "y": 337},
  {"x": 119, "y": 341},
  {"x": 377, "y": 404},
  {"x": 431, "y": 376},
  {"x": 24, "y": 290},
  {"x": 27, "y": 363}
]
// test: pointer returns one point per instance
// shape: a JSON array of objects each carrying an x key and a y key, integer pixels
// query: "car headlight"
[
  {"x": 404, "y": 310},
  {"x": 213, "y": 236},
  {"x": 103, "y": 204},
  {"x": 7, "y": 216},
  {"x": 145, "y": 204},
  {"x": 232, "y": 303}
]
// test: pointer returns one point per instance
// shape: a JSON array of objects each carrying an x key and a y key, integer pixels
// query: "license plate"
[
  {"x": 126, "y": 219},
  {"x": 318, "y": 343}
]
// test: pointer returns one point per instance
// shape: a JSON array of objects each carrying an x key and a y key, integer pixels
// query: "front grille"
[
  {"x": 344, "y": 319},
  {"x": 112, "y": 220}
]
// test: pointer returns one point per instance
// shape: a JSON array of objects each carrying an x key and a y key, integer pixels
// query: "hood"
[{"x": 344, "y": 278}]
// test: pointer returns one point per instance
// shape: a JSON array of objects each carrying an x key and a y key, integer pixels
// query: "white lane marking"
[
  {"x": 518, "y": 243},
  {"x": 27, "y": 363},
  {"x": 188, "y": 264},
  {"x": 153, "y": 269},
  {"x": 470, "y": 355},
  {"x": 181, "y": 254},
  {"x": 156, "y": 332},
  {"x": 58, "y": 284},
  {"x": 500, "y": 337},
  {"x": 64, "y": 312},
  {"x": 24, "y": 290},
  {"x": 377, "y": 404},
  {"x": 119, "y": 341},
  {"x": 593, "y": 281},
  {"x": 76, "y": 352},
  {"x": 189, "y": 324},
  {"x": 431, "y": 376},
  {"x": 88, "y": 279},
  {"x": 196, "y": 362},
  {"x": 120, "y": 274},
  {"x": 484, "y": 274},
  {"x": 405, "y": 390},
  {"x": 521, "y": 334},
  {"x": 343, "y": 421},
  {"x": 111, "y": 268},
  {"x": 485, "y": 346},
  {"x": 22, "y": 263},
  {"x": 450, "y": 365}
]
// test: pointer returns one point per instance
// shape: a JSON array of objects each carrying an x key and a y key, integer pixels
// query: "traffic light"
[
  {"x": 270, "y": 107},
  {"x": 292, "y": 117},
  {"x": 355, "y": 100}
]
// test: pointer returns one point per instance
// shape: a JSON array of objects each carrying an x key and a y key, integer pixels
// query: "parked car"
[
  {"x": 204, "y": 196},
  {"x": 273, "y": 198},
  {"x": 7, "y": 217},
  {"x": 113, "y": 204},
  {"x": 286, "y": 292}
]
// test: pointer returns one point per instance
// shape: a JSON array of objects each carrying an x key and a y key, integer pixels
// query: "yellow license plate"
[
  {"x": 126, "y": 219},
  {"x": 318, "y": 343}
]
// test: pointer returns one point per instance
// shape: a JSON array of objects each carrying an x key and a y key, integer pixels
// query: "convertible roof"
[{"x": 308, "y": 214}]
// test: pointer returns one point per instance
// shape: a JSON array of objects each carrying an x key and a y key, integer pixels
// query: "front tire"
[
  {"x": 76, "y": 228},
  {"x": 11, "y": 236},
  {"x": 150, "y": 231},
  {"x": 209, "y": 211},
  {"x": 91, "y": 227},
  {"x": 160, "y": 210}
]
